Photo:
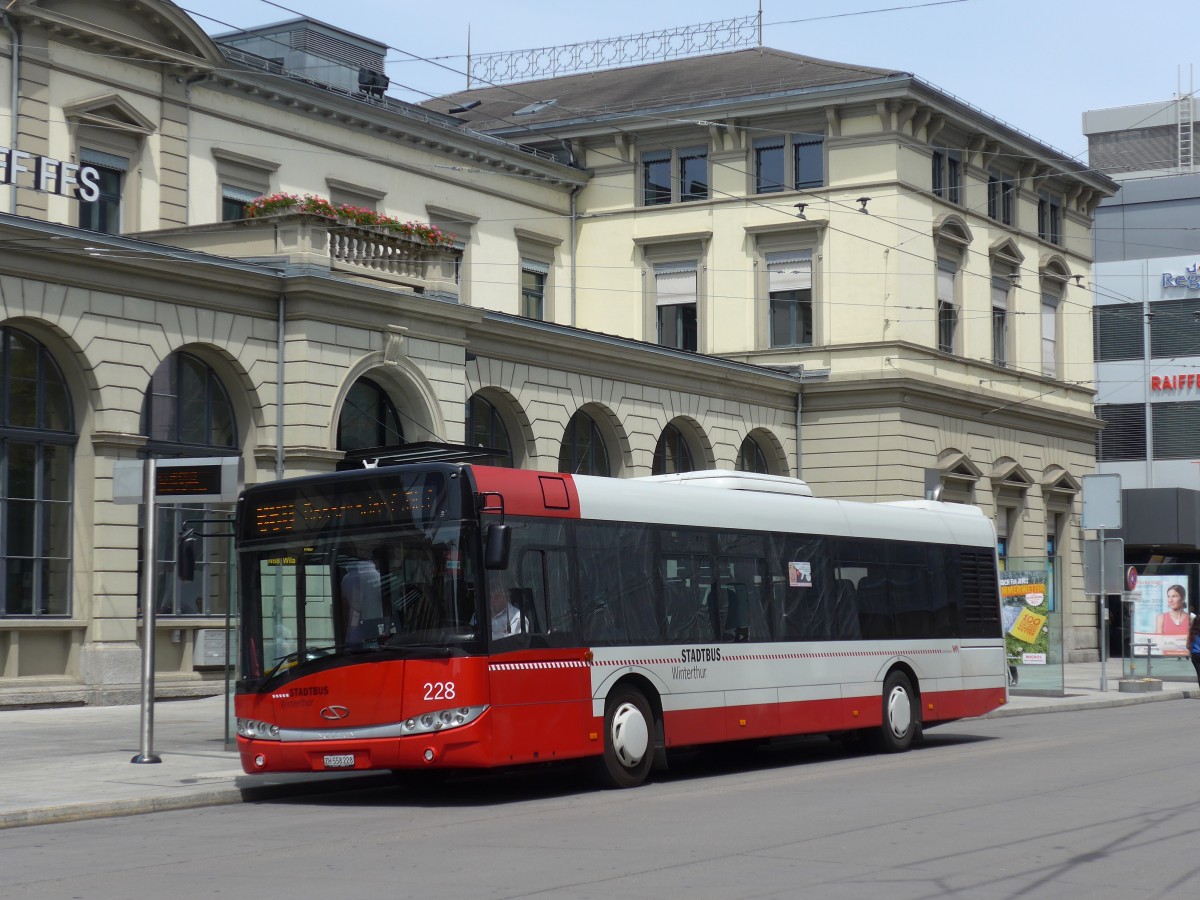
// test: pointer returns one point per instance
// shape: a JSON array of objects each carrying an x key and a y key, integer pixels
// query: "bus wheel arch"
[
  {"x": 901, "y": 699},
  {"x": 633, "y": 733}
]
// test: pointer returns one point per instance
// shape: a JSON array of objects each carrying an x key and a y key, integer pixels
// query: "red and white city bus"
[{"x": 452, "y": 615}]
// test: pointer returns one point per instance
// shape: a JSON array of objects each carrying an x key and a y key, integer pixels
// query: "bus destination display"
[{"x": 371, "y": 506}]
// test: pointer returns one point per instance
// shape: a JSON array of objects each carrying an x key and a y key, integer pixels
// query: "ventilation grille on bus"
[{"x": 981, "y": 595}]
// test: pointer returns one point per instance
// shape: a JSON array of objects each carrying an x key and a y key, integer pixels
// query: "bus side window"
[
  {"x": 691, "y": 605},
  {"x": 543, "y": 587},
  {"x": 874, "y": 605},
  {"x": 804, "y": 608},
  {"x": 845, "y": 611},
  {"x": 742, "y": 613}
]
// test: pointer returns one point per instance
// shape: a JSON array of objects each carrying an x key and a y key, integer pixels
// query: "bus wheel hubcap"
[
  {"x": 630, "y": 735},
  {"x": 899, "y": 712}
]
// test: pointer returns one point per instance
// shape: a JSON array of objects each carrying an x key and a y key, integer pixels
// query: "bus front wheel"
[
  {"x": 628, "y": 740},
  {"x": 900, "y": 710}
]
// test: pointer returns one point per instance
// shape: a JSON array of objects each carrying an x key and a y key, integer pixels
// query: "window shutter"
[
  {"x": 789, "y": 271},
  {"x": 1118, "y": 332},
  {"x": 945, "y": 281},
  {"x": 1000, "y": 293},
  {"x": 89, "y": 157},
  {"x": 674, "y": 284},
  {"x": 241, "y": 195},
  {"x": 1124, "y": 434}
]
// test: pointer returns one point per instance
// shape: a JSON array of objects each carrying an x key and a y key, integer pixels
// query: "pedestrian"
[{"x": 1193, "y": 642}]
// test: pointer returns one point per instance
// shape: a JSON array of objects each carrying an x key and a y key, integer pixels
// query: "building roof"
[
  {"x": 713, "y": 87},
  {"x": 693, "y": 81}
]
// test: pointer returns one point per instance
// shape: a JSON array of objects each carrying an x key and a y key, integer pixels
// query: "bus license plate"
[{"x": 339, "y": 760}]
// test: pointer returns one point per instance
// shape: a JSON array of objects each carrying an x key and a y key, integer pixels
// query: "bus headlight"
[
  {"x": 441, "y": 719},
  {"x": 257, "y": 731}
]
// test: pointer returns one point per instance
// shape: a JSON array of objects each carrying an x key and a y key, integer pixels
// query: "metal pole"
[
  {"x": 149, "y": 559},
  {"x": 1103, "y": 618}
]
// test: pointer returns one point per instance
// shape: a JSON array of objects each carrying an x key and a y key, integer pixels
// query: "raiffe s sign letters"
[{"x": 51, "y": 176}]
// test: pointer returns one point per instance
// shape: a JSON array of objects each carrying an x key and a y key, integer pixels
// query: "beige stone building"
[
  {"x": 802, "y": 268},
  {"x": 787, "y": 211},
  {"x": 142, "y": 313}
]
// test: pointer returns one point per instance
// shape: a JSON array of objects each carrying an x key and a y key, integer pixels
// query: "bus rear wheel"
[
  {"x": 628, "y": 740},
  {"x": 900, "y": 725}
]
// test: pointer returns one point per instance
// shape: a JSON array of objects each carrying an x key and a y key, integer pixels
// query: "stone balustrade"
[{"x": 341, "y": 246}]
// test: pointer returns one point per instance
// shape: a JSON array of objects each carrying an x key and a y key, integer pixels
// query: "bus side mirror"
[
  {"x": 496, "y": 546},
  {"x": 186, "y": 556}
]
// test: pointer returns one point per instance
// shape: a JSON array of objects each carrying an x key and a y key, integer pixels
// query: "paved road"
[{"x": 1094, "y": 804}]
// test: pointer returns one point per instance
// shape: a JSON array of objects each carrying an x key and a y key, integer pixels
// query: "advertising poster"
[
  {"x": 799, "y": 574},
  {"x": 1024, "y": 612},
  {"x": 1161, "y": 614}
]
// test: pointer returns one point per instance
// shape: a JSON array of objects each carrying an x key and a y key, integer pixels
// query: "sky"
[{"x": 1034, "y": 64}]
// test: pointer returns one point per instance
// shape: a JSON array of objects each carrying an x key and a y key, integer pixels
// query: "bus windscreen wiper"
[{"x": 306, "y": 655}]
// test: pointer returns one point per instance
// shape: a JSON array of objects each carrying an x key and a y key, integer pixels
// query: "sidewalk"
[{"x": 63, "y": 765}]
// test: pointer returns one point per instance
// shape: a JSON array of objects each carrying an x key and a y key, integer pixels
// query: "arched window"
[
  {"x": 36, "y": 459},
  {"x": 369, "y": 419},
  {"x": 186, "y": 413},
  {"x": 485, "y": 428},
  {"x": 583, "y": 450},
  {"x": 751, "y": 457},
  {"x": 187, "y": 409},
  {"x": 672, "y": 453}
]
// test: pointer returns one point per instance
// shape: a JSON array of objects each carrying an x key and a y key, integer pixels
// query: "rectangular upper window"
[
  {"x": 954, "y": 177},
  {"x": 809, "y": 160},
  {"x": 675, "y": 175},
  {"x": 1050, "y": 217},
  {"x": 1001, "y": 197},
  {"x": 768, "y": 165},
  {"x": 693, "y": 174},
  {"x": 656, "y": 177},
  {"x": 993, "y": 196},
  {"x": 946, "y": 174},
  {"x": 791, "y": 161}
]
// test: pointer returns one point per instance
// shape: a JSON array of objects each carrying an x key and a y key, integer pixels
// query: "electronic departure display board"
[
  {"x": 187, "y": 481},
  {"x": 206, "y": 479}
]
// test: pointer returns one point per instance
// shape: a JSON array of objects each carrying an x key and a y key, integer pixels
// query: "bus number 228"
[{"x": 439, "y": 690}]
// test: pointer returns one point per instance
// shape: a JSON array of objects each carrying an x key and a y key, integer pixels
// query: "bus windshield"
[{"x": 381, "y": 565}]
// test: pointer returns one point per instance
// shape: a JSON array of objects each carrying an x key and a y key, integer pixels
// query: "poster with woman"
[{"x": 1161, "y": 615}]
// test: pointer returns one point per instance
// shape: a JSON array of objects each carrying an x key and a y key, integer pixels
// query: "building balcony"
[{"x": 314, "y": 241}]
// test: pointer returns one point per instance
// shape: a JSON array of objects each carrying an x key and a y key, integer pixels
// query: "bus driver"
[{"x": 506, "y": 617}]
